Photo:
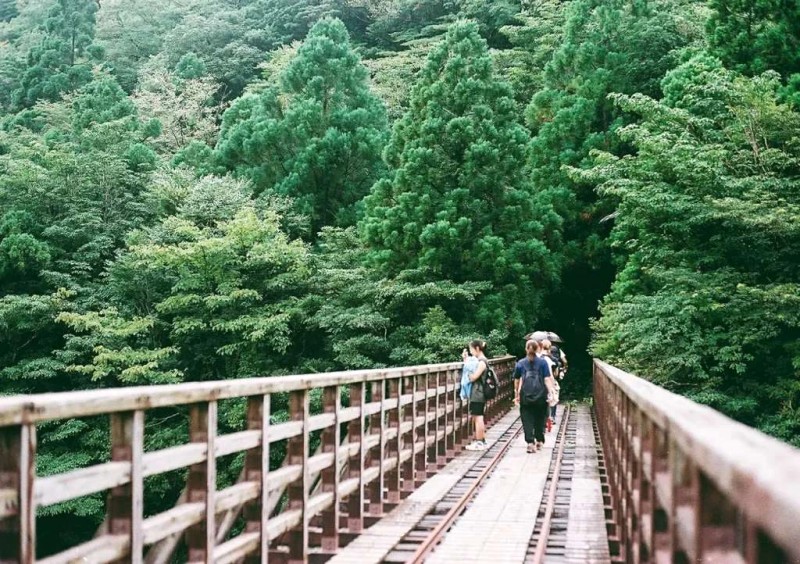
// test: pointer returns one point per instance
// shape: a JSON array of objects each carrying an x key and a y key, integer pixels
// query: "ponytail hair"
[{"x": 479, "y": 345}]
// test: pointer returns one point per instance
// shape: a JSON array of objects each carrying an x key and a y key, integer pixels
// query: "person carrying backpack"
[
  {"x": 478, "y": 396},
  {"x": 533, "y": 381},
  {"x": 560, "y": 371},
  {"x": 470, "y": 364},
  {"x": 552, "y": 356}
]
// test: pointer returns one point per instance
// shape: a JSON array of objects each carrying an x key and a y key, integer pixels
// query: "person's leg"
[
  {"x": 553, "y": 411},
  {"x": 539, "y": 417},
  {"x": 476, "y": 410},
  {"x": 527, "y": 422},
  {"x": 480, "y": 429}
]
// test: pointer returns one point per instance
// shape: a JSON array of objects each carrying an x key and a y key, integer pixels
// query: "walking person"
[
  {"x": 532, "y": 382},
  {"x": 554, "y": 362},
  {"x": 477, "y": 398}
]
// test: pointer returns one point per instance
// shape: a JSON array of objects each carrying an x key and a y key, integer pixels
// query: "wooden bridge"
[{"x": 644, "y": 476}]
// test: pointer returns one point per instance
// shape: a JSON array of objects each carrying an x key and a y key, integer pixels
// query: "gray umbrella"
[{"x": 542, "y": 335}]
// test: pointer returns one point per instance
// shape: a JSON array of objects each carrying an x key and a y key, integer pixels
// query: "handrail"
[
  {"x": 688, "y": 483},
  {"x": 16, "y": 410},
  {"x": 402, "y": 424}
]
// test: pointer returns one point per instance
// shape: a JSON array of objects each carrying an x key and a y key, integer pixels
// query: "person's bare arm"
[
  {"x": 478, "y": 371},
  {"x": 549, "y": 381}
]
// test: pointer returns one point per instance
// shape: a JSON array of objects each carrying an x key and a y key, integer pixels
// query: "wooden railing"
[
  {"x": 687, "y": 484},
  {"x": 394, "y": 428}
]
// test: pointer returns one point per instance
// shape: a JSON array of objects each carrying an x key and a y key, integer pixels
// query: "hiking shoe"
[
  {"x": 531, "y": 447},
  {"x": 475, "y": 445}
]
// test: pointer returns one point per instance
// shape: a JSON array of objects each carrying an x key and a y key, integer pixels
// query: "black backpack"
[
  {"x": 555, "y": 354},
  {"x": 490, "y": 383},
  {"x": 533, "y": 388}
]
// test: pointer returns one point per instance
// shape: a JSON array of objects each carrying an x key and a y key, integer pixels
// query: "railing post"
[
  {"x": 717, "y": 523},
  {"x": 634, "y": 482},
  {"x": 256, "y": 469},
  {"x": 441, "y": 420},
  {"x": 408, "y": 441},
  {"x": 395, "y": 445},
  {"x": 297, "y": 492},
  {"x": 663, "y": 524},
  {"x": 17, "y": 475},
  {"x": 646, "y": 507},
  {"x": 126, "y": 503},
  {"x": 421, "y": 431},
  {"x": 458, "y": 415},
  {"x": 355, "y": 469},
  {"x": 375, "y": 454},
  {"x": 202, "y": 480},
  {"x": 410, "y": 466},
  {"x": 626, "y": 447},
  {"x": 432, "y": 427},
  {"x": 685, "y": 505},
  {"x": 450, "y": 419},
  {"x": 331, "y": 441}
]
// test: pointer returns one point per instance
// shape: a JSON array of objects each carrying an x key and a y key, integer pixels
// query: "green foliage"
[
  {"x": 231, "y": 39},
  {"x": 190, "y": 66},
  {"x": 207, "y": 293},
  {"x": 752, "y": 36},
  {"x": 457, "y": 206},
  {"x": 145, "y": 238},
  {"x": 706, "y": 299},
  {"x": 181, "y": 104},
  {"x": 605, "y": 47},
  {"x": 318, "y": 138},
  {"x": 8, "y": 10},
  {"x": 59, "y": 63},
  {"x": 64, "y": 218},
  {"x": 534, "y": 36},
  {"x": 131, "y": 31}
]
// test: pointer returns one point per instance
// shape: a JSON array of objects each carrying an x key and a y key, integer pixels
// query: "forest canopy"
[{"x": 201, "y": 190}]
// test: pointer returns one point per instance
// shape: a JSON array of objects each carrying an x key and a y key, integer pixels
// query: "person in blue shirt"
[
  {"x": 470, "y": 364},
  {"x": 533, "y": 381},
  {"x": 477, "y": 399}
]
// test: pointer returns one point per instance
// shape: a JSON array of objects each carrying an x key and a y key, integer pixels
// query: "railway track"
[
  {"x": 430, "y": 530},
  {"x": 549, "y": 534},
  {"x": 549, "y": 537}
]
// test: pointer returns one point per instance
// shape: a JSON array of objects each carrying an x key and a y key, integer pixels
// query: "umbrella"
[{"x": 542, "y": 335}]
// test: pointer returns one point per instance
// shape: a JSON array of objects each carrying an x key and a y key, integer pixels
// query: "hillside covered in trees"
[{"x": 210, "y": 189}]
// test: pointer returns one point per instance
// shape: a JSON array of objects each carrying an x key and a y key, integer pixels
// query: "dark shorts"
[{"x": 476, "y": 407}]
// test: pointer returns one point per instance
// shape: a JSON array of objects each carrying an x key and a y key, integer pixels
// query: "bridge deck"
[
  {"x": 375, "y": 543},
  {"x": 501, "y": 523},
  {"x": 587, "y": 540},
  {"x": 498, "y": 524}
]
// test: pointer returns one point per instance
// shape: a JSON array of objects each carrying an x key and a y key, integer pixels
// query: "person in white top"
[{"x": 552, "y": 397}]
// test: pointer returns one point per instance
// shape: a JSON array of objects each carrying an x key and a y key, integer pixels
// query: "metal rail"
[
  {"x": 444, "y": 524},
  {"x": 544, "y": 532}
]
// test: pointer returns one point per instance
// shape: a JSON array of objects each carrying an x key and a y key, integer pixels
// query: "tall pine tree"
[
  {"x": 317, "y": 137},
  {"x": 607, "y": 46},
  {"x": 752, "y": 36},
  {"x": 458, "y": 206},
  {"x": 59, "y": 63}
]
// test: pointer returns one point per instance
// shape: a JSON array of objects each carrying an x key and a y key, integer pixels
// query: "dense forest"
[{"x": 209, "y": 189}]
